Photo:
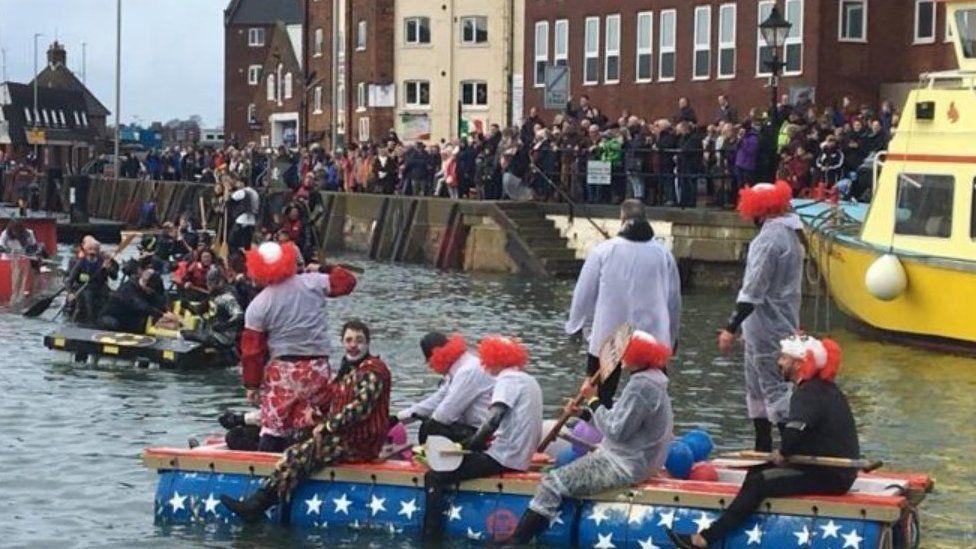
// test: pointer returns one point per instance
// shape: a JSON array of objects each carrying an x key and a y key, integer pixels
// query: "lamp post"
[
  {"x": 774, "y": 31},
  {"x": 37, "y": 150}
]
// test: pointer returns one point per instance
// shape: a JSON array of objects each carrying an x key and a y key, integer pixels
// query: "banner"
[
  {"x": 414, "y": 127},
  {"x": 598, "y": 173}
]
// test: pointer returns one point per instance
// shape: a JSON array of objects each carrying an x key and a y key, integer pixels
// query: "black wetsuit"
[
  {"x": 129, "y": 307},
  {"x": 820, "y": 424}
]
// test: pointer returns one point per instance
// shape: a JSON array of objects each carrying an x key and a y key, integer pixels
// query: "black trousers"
[
  {"x": 474, "y": 465},
  {"x": 456, "y": 432},
  {"x": 240, "y": 237},
  {"x": 609, "y": 387},
  {"x": 769, "y": 481}
]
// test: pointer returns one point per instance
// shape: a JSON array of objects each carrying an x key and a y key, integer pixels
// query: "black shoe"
[
  {"x": 251, "y": 508},
  {"x": 681, "y": 541},
  {"x": 229, "y": 420},
  {"x": 530, "y": 525}
]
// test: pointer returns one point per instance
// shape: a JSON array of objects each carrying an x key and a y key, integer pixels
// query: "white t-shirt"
[
  {"x": 292, "y": 314},
  {"x": 521, "y": 429}
]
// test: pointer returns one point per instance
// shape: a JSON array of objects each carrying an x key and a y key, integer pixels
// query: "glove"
[{"x": 229, "y": 420}]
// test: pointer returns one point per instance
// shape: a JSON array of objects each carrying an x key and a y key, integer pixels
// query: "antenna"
[
  {"x": 84, "y": 72},
  {"x": 3, "y": 60}
]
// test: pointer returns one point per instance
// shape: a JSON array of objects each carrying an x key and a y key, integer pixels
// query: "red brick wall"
[
  {"x": 237, "y": 93},
  {"x": 374, "y": 65},
  {"x": 320, "y": 17}
]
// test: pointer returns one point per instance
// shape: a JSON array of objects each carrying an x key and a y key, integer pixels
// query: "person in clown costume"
[
  {"x": 768, "y": 305},
  {"x": 285, "y": 343},
  {"x": 460, "y": 403},
  {"x": 513, "y": 425},
  {"x": 636, "y": 432},
  {"x": 819, "y": 423}
]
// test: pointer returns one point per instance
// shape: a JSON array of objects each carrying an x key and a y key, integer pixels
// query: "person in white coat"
[
  {"x": 768, "y": 305},
  {"x": 630, "y": 278},
  {"x": 460, "y": 404}
]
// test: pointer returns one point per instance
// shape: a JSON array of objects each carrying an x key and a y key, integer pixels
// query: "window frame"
[
  {"x": 317, "y": 100},
  {"x": 272, "y": 87},
  {"x": 288, "y": 89},
  {"x": 667, "y": 49},
  {"x": 727, "y": 44},
  {"x": 361, "y": 97},
  {"x": 797, "y": 40},
  {"x": 417, "y": 20},
  {"x": 254, "y": 74},
  {"x": 841, "y": 16},
  {"x": 560, "y": 59},
  {"x": 761, "y": 71},
  {"x": 362, "y": 29},
  {"x": 706, "y": 46},
  {"x": 251, "y": 109},
  {"x": 609, "y": 52},
  {"x": 648, "y": 17},
  {"x": 318, "y": 42},
  {"x": 540, "y": 78},
  {"x": 595, "y": 53},
  {"x": 475, "y": 84},
  {"x": 474, "y": 37},
  {"x": 916, "y": 39},
  {"x": 417, "y": 84},
  {"x": 256, "y": 37},
  {"x": 898, "y": 197}
]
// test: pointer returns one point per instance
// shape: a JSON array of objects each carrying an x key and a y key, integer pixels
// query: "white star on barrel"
[
  {"x": 830, "y": 530},
  {"x": 755, "y": 535},
  {"x": 176, "y": 502},
  {"x": 376, "y": 505},
  {"x": 408, "y": 508},
  {"x": 210, "y": 504},
  {"x": 852, "y": 540},
  {"x": 342, "y": 504},
  {"x": 314, "y": 505},
  {"x": 605, "y": 542}
]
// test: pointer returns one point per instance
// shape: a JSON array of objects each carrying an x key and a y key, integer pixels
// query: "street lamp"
[
  {"x": 774, "y": 31},
  {"x": 37, "y": 159}
]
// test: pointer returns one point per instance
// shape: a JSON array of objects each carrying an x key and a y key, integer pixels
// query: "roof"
[
  {"x": 60, "y": 77},
  {"x": 15, "y": 98},
  {"x": 263, "y": 12}
]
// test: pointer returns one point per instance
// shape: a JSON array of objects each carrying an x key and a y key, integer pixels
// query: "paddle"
[
  {"x": 748, "y": 456},
  {"x": 443, "y": 454},
  {"x": 37, "y": 309},
  {"x": 613, "y": 346}
]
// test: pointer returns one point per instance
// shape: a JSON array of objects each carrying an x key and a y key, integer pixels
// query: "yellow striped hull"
[{"x": 940, "y": 301}]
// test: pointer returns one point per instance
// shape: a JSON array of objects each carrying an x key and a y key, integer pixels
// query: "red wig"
[
  {"x": 271, "y": 263},
  {"x": 644, "y": 350},
  {"x": 447, "y": 354},
  {"x": 764, "y": 199},
  {"x": 817, "y": 358},
  {"x": 499, "y": 352}
]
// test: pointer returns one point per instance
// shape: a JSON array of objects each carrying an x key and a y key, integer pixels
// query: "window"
[
  {"x": 726, "y": 40},
  {"x": 764, "y": 52},
  {"x": 319, "y": 44},
  {"x": 611, "y": 74},
  {"x": 272, "y": 93},
  {"x": 666, "y": 57},
  {"x": 966, "y": 26},
  {"x": 77, "y": 120},
  {"x": 853, "y": 21},
  {"x": 47, "y": 121},
  {"x": 474, "y": 94},
  {"x": 645, "y": 46},
  {"x": 417, "y": 30},
  {"x": 61, "y": 117},
  {"x": 288, "y": 85},
  {"x": 417, "y": 93},
  {"x": 255, "y": 37},
  {"x": 253, "y": 75},
  {"x": 793, "y": 47},
  {"x": 364, "y": 129},
  {"x": 361, "y": 36},
  {"x": 561, "y": 45},
  {"x": 541, "y": 52},
  {"x": 28, "y": 116},
  {"x": 924, "y": 205},
  {"x": 924, "y": 21},
  {"x": 702, "y": 60},
  {"x": 361, "y": 96},
  {"x": 317, "y": 100},
  {"x": 84, "y": 119},
  {"x": 591, "y": 51},
  {"x": 252, "y": 113},
  {"x": 474, "y": 30}
]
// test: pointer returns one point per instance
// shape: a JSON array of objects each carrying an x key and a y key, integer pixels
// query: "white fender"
[{"x": 886, "y": 279}]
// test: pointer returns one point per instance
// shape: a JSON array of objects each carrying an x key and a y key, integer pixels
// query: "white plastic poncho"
[
  {"x": 773, "y": 283},
  {"x": 627, "y": 281}
]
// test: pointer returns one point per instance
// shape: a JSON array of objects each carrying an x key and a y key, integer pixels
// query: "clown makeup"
[{"x": 355, "y": 343}]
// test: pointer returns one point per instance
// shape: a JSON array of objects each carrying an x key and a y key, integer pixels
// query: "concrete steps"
[{"x": 545, "y": 246}]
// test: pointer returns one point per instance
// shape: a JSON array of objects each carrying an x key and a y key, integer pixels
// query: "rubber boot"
[
  {"x": 530, "y": 525},
  {"x": 251, "y": 508},
  {"x": 764, "y": 434},
  {"x": 432, "y": 530},
  {"x": 681, "y": 541},
  {"x": 229, "y": 420}
]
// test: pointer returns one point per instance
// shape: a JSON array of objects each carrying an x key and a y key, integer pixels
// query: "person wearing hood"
[
  {"x": 460, "y": 403},
  {"x": 630, "y": 278},
  {"x": 819, "y": 423},
  {"x": 636, "y": 432},
  {"x": 768, "y": 305}
]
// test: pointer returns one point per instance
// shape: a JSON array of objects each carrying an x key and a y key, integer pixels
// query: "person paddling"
[
  {"x": 514, "y": 420},
  {"x": 768, "y": 305},
  {"x": 636, "y": 432},
  {"x": 819, "y": 423},
  {"x": 460, "y": 403},
  {"x": 630, "y": 279}
]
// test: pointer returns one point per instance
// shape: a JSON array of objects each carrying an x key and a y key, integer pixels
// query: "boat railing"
[
  {"x": 967, "y": 79},
  {"x": 877, "y": 163}
]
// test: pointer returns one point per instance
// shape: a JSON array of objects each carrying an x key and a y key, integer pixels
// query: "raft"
[
  {"x": 156, "y": 349},
  {"x": 388, "y": 497}
]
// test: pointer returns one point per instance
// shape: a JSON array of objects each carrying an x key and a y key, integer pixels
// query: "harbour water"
[{"x": 70, "y": 474}]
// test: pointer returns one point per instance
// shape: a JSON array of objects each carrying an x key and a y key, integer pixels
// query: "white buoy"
[{"x": 886, "y": 278}]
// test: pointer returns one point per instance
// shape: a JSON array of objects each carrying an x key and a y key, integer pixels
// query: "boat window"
[
  {"x": 966, "y": 22},
  {"x": 924, "y": 205}
]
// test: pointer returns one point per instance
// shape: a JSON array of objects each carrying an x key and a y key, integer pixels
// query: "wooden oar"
[
  {"x": 865, "y": 465},
  {"x": 610, "y": 352},
  {"x": 37, "y": 309}
]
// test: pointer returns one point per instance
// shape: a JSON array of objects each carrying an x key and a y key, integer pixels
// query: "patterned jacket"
[{"x": 359, "y": 409}]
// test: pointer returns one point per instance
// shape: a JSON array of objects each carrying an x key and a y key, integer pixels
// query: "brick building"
[{"x": 641, "y": 55}]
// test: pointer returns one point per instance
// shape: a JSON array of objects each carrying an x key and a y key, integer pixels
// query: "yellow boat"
[{"x": 906, "y": 263}]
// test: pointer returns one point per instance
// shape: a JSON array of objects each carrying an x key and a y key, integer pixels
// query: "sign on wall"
[
  {"x": 598, "y": 173},
  {"x": 557, "y": 87},
  {"x": 414, "y": 127},
  {"x": 382, "y": 95}
]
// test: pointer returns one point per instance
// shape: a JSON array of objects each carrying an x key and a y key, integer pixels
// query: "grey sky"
[{"x": 172, "y": 51}]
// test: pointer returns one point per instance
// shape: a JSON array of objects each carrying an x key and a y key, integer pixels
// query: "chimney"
[{"x": 56, "y": 55}]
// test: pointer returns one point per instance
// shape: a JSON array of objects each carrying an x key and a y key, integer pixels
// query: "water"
[{"x": 70, "y": 473}]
